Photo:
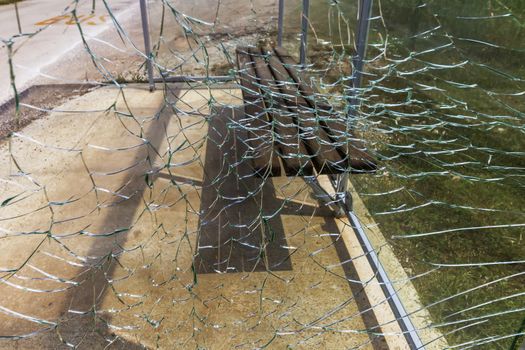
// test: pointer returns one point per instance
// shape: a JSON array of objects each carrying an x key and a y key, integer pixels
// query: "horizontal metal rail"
[
  {"x": 403, "y": 318},
  {"x": 191, "y": 79}
]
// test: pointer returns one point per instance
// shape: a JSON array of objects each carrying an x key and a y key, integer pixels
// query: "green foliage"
[{"x": 7, "y": 2}]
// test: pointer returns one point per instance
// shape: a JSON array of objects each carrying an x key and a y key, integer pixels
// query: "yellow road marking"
[{"x": 91, "y": 19}]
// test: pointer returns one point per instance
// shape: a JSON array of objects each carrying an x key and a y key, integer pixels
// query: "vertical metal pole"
[
  {"x": 280, "y": 24},
  {"x": 304, "y": 32},
  {"x": 363, "y": 27},
  {"x": 403, "y": 318},
  {"x": 18, "y": 18},
  {"x": 147, "y": 45}
]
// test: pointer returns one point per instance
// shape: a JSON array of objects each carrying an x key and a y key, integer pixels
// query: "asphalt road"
[
  {"x": 56, "y": 53},
  {"x": 56, "y": 36}
]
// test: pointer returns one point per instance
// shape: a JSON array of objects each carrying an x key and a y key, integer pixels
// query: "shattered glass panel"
[{"x": 170, "y": 178}]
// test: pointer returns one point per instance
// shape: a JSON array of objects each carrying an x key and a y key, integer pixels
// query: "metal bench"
[{"x": 291, "y": 130}]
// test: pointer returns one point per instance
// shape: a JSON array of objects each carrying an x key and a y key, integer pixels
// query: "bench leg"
[
  {"x": 340, "y": 184},
  {"x": 324, "y": 197}
]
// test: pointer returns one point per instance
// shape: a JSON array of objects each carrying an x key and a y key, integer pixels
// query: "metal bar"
[
  {"x": 324, "y": 196},
  {"x": 342, "y": 183},
  {"x": 189, "y": 79},
  {"x": 363, "y": 28},
  {"x": 147, "y": 44},
  {"x": 18, "y": 18},
  {"x": 395, "y": 302},
  {"x": 304, "y": 32},
  {"x": 280, "y": 24},
  {"x": 402, "y": 317}
]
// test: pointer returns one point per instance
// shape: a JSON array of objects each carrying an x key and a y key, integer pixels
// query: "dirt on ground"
[{"x": 36, "y": 102}]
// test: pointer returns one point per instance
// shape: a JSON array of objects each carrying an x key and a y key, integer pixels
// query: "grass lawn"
[
  {"x": 450, "y": 143},
  {"x": 7, "y": 2}
]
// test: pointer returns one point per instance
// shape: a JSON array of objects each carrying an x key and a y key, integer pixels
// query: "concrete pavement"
[{"x": 81, "y": 195}]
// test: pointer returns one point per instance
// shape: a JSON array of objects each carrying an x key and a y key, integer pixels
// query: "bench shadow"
[
  {"x": 239, "y": 230},
  {"x": 241, "y": 227}
]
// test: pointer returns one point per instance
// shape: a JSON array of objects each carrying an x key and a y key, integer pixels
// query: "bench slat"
[
  {"x": 306, "y": 90},
  {"x": 259, "y": 131},
  {"x": 293, "y": 152},
  {"x": 290, "y": 127},
  {"x": 353, "y": 150},
  {"x": 326, "y": 157}
]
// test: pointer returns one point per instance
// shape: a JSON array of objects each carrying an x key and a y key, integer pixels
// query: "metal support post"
[
  {"x": 324, "y": 197},
  {"x": 363, "y": 28},
  {"x": 304, "y": 32},
  {"x": 147, "y": 44},
  {"x": 280, "y": 24},
  {"x": 18, "y": 18}
]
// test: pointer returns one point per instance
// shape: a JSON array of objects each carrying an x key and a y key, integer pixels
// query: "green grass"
[
  {"x": 7, "y": 2},
  {"x": 459, "y": 198},
  {"x": 470, "y": 188}
]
